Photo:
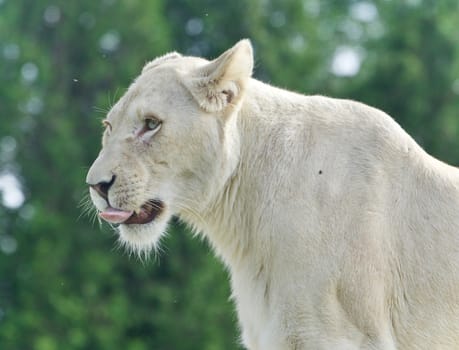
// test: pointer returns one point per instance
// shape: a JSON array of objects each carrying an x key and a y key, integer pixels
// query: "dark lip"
[{"x": 147, "y": 213}]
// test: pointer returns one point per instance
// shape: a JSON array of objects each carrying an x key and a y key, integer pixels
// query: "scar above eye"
[{"x": 107, "y": 124}]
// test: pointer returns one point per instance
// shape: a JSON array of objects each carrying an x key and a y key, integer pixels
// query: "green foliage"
[{"x": 63, "y": 63}]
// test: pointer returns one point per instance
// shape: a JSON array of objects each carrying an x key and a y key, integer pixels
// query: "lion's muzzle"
[{"x": 146, "y": 214}]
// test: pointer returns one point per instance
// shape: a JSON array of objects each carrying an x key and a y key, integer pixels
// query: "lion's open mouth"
[{"x": 147, "y": 213}]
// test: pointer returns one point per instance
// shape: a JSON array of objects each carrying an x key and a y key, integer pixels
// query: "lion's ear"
[{"x": 221, "y": 82}]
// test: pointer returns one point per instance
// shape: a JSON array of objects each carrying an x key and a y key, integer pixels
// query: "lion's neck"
[{"x": 235, "y": 222}]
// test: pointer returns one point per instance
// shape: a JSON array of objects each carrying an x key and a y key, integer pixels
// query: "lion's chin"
[{"x": 142, "y": 239}]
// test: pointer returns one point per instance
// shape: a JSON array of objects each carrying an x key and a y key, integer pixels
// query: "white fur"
[{"x": 339, "y": 231}]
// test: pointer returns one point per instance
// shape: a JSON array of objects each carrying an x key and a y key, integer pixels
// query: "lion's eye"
[{"x": 152, "y": 124}]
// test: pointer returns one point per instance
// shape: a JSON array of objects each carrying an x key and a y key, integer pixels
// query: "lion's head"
[{"x": 170, "y": 143}]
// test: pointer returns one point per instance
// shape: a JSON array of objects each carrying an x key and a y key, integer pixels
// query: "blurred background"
[{"x": 63, "y": 282}]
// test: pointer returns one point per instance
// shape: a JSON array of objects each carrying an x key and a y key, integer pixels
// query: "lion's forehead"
[
  {"x": 129, "y": 105},
  {"x": 157, "y": 91}
]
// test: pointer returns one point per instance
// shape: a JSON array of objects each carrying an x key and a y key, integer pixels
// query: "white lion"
[{"x": 339, "y": 231}]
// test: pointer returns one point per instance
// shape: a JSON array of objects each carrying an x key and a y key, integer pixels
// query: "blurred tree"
[
  {"x": 412, "y": 71},
  {"x": 61, "y": 284},
  {"x": 62, "y": 65}
]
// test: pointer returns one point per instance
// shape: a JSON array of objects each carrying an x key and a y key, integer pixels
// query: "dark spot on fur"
[
  {"x": 320, "y": 172},
  {"x": 229, "y": 95},
  {"x": 266, "y": 293},
  {"x": 260, "y": 271}
]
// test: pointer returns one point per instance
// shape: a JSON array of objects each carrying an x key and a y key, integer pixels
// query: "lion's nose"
[{"x": 102, "y": 187}]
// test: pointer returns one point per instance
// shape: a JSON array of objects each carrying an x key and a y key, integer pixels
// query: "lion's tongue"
[{"x": 115, "y": 216}]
